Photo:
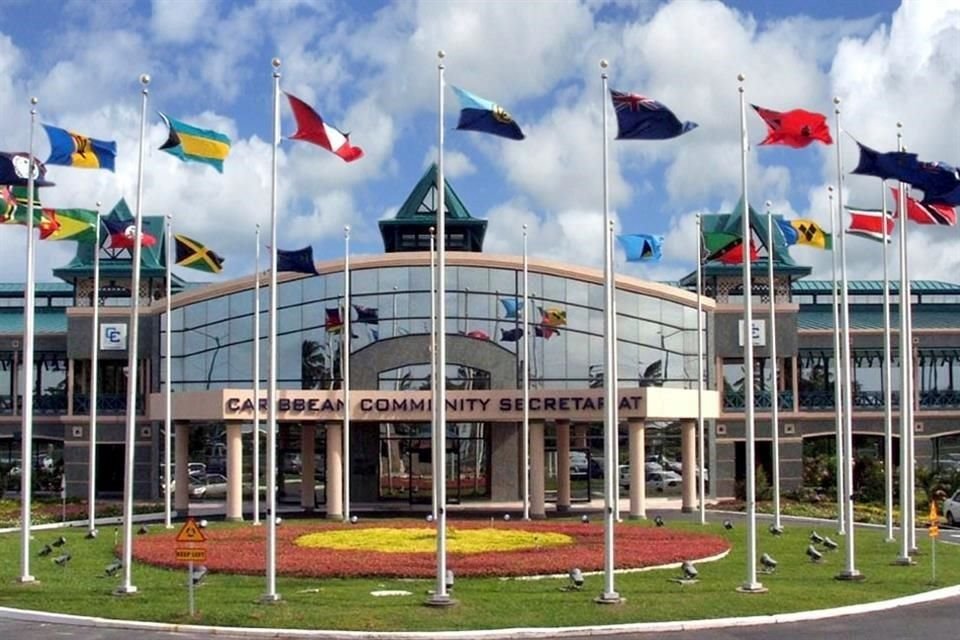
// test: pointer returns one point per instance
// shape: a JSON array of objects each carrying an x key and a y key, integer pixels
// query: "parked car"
[
  {"x": 578, "y": 463},
  {"x": 951, "y": 509},
  {"x": 663, "y": 480},
  {"x": 213, "y": 485},
  {"x": 624, "y": 475}
]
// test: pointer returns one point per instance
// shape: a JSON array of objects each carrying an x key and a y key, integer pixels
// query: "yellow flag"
[{"x": 811, "y": 234}]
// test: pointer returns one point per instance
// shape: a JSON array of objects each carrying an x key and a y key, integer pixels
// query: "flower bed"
[{"x": 242, "y": 550}]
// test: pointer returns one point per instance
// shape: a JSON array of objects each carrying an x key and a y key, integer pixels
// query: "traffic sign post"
[
  {"x": 934, "y": 533},
  {"x": 190, "y": 534}
]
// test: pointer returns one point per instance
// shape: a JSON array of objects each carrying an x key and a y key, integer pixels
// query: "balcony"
[
  {"x": 935, "y": 399},
  {"x": 6, "y": 405},
  {"x": 108, "y": 404},
  {"x": 862, "y": 400},
  {"x": 733, "y": 401}
]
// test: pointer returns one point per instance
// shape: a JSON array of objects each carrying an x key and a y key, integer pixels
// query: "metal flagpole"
[
  {"x": 345, "y": 359},
  {"x": 850, "y": 571},
  {"x": 887, "y": 378},
  {"x": 615, "y": 377},
  {"x": 433, "y": 368},
  {"x": 271, "y": 569},
  {"x": 609, "y": 594},
  {"x": 525, "y": 445},
  {"x": 700, "y": 435},
  {"x": 256, "y": 382},
  {"x": 751, "y": 585},
  {"x": 168, "y": 387},
  {"x": 440, "y": 597},
  {"x": 837, "y": 393},
  {"x": 774, "y": 372},
  {"x": 94, "y": 372},
  {"x": 26, "y": 431},
  {"x": 911, "y": 382},
  {"x": 127, "y": 586}
]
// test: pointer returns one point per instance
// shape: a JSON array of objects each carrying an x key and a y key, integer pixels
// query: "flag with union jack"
[{"x": 643, "y": 118}]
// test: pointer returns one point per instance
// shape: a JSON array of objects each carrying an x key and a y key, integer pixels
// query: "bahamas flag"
[
  {"x": 71, "y": 224},
  {"x": 190, "y": 143},
  {"x": 74, "y": 150},
  {"x": 479, "y": 114},
  {"x": 194, "y": 255}
]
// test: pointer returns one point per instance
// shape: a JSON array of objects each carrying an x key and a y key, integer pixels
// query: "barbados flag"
[
  {"x": 74, "y": 150},
  {"x": 190, "y": 143}
]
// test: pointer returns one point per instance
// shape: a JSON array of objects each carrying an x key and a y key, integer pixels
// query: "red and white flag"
[
  {"x": 868, "y": 223},
  {"x": 940, "y": 214},
  {"x": 312, "y": 128}
]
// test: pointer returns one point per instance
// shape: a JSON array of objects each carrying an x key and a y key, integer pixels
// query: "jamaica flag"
[{"x": 194, "y": 255}]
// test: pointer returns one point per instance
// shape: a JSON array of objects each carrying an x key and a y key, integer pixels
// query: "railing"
[
  {"x": 107, "y": 404},
  {"x": 946, "y": 399},
  {"x": 733, "y": 400},
  {"x": 52, "y": 404},
  {"x": 862, "y": 400},
  {"x": 6, "y": 405}
]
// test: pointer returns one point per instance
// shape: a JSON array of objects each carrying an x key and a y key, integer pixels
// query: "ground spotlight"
[
  {"x": 429, "y": 517},
  {"x": 45, "y": 551},
  {"x": 203, "y": 524},
  {"x": 449, "y": 580},
  {"x": 775, "y": 530},
  {"x": 658, "y": 521},
  {"x": 278, "y": 521},
  {"x": 506, "y": 517},
  {"x": 689, "y": 571},
  {"x": 829, "y": 544},
  {"x": 727, "y": 525},
  {"x": 62, "y": 561},
  {"x": 815, "y": 537},
  {"x": 91, "y": 534},
  {"x": 576, "y": 578},
  {"x": 768, "y": 563},
  {"x": 813, "y": 554},
  {"x": 353, "y": 519},
  {"x": 584, "y": 518},
  {"x": 198, "y": 574},
  {"x": 59, "y": 542},
  {"x": 113, "y": 568},
  {"x": 143, "y": 530}
]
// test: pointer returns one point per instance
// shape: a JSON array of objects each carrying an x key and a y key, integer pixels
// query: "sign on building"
[
  {"x": 758, "y": 332},
  {"x": 113, "y": 337}
]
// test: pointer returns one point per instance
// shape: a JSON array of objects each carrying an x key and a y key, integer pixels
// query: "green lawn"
[{"x": 483, "y": 602}]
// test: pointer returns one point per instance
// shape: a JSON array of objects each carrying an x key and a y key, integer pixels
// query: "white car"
[
  {"x": 663, "y": 480},
  {"x": 951, "y": 509}
]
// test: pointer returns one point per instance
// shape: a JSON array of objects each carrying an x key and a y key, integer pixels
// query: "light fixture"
[
  {"x": 203, "y": 524},
  {"x": 576, "y": 578},
  {"x": 449, "y": 580},
  {"x": 658, "y": 521},
  {"x": 775, "y": 530},
  {"x": 278, "y": 521},
  {"x": 91, "y": 534},
  {"x": 113, "y": 568},
  {"x": 689, "y": 571},
  {"x": 62, "y": 560},
  {"x": 830, "y": 544},
  {"x": 353, "y": 519},
  {"x": 429, "y": 517},
  {"x": 506, "y": 517},
  {"x": 584, "y": 518},
  {"x": 143, "y": 530},
  {"x": 198, "y": 574},
  {"x": 727, "y": 525},
  {"x": 45, "y": 551},
  {"x": 59, "y": 542},
  {"x": 813, "y": 554},
  {"x": 768, "y": 563},
  {"x": 815, "y": 537}
]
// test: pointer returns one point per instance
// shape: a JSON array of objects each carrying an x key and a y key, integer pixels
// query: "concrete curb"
[{"x": 23, "y": 615}]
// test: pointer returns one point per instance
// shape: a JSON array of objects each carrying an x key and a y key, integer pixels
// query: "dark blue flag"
[
  {"x": 939, "y": 181},
  {"x": 478, "y": 114},
  {"x": 367, "y": 315},
  {"x": 510, "y": 335},
  {"x": 299, "y": 260},
  {"x": 642, "y": 118},
  {"x": 641, "y": 246}
]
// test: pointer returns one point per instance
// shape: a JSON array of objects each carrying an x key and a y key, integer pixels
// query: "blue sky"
[{"x": 370, "y": 68}]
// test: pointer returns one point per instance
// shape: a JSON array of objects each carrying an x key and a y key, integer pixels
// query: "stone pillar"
[
  {"x": 688, "y": 453},
  {"x": 181, "y": 481},
  {"x": 234, "y": 472},
  {"x": 563, "y": 465},
  {"x": 580, "y": 436},
  {"x": 308, "y": 466},
  {"x": 538, "y": 510},
  {"x": 638, "y": 477},
  {"x": 334, "y": 475}
]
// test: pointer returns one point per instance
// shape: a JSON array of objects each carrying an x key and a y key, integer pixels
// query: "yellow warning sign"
[
  {"x": 191, "y": 554},
  {"x": 191, "y": 532}
]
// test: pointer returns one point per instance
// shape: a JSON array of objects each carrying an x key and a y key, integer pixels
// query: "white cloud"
[
  {"x": 455, "y": 163},
  {"x": 180, "y": 22}
]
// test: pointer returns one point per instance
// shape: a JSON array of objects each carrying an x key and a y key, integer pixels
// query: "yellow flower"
[{"x": 423, "y": 540}]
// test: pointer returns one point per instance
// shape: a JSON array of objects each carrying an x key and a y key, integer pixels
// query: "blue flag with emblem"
[{"x": 479, "y": 114}]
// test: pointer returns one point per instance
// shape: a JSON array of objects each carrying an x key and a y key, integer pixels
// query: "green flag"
[
  {"x": 16, "y": 213},
  {"x": 74, "y": 224}
]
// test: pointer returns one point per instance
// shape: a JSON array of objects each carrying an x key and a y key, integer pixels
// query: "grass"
[
  {"x": 48, "y": 510},
  {"x": 483, "y": 602},
  {"x": 869, "y": 513}
]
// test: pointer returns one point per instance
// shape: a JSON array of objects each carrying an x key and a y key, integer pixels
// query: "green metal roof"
[
  {"x": 46, "y": 320},
  {"x": 919, "y": 287},
  {"x": 43, "y": 288},
  {"x": 820, "y": 317},
  {"x": 414, "y": 207}
]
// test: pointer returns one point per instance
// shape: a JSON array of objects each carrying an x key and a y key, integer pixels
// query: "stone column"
[
  {"x": 563, "y": 465},
  {"x": 334, "y": 475},
  {"x": 638, "y": 478},
  {"x": 688, "y": 453},
  {"x": 580, "y": 436},
  {"x": 538, "y": 510},
  {"x": 234, "y": 472},
  {"x": 308, "y": 466},
  {"x": 181, "y": 482}
]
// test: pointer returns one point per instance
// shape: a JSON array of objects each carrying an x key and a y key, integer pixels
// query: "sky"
[{"x": 370, "y": 68}]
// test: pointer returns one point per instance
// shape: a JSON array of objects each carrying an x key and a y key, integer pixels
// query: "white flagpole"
[
  {"x": 433, "y": 369},
  {"x": 609, "y": 594},
  {"x": 751, "y": 585},
  {"x": 525, "y": 444},
  {"x": 94, "y": 372},
  {"x": 837, "y": 374},
  {"x": 256, "y": 382},
  {"x": 905, "y": 365},
  {"x": 29, "y": 377},
  {"x": 615, "y": 380},
  {"x": 271, "y": 569},
  {"x": 850, "y": 571},
  {"x": 127, "y": 586},
  {"x": 911, "y": 382},
  {"x": 168, "y": 387},
  {"x": 345, "y": 359},
  {"x": 775, "y": 393},
  {"x": 887, "y": 379},
  {"x": 700, "y": 434},
  {"x": 440, "y": 596}
]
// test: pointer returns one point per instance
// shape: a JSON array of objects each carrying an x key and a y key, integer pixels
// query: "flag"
[
  {"x": 194, "y": 255},
  {"x": 642, "y": 118},
  {"x": 478, "y": 114},
  {"x": 511, "y": 307},
  {"x": 478, "y": 334},
  {"x": 796, "y": 128},
  {"x": 48, "y": 223},
  {"x": 367, "y": 315},
  {"x": 790, "y": 235},
  {"x": 732, "y": 253},
  {"x": 939, "y": 181},
  {"x": 15, "y": 170},
  {"x": 8, "y": 204},
  {"x": 869, "y": 223},
  {"x": 641, "y": 246},
  {"x": 311, "y": 128},
  {"x": 191, "y": 143},
  {"x": 333, "y": 323},
  {"x": 810, "y": 234},
  {"x": 553, "y": 316},
  {"x": 511, "y": 335},
  {"x": 545, "y": 331},
  {"x": 123, "y": 232},
  {"x": 885, "y": 166},
  {"x": 73, "y": 224},
  {"x": 940, "y": 214},
  {"x": 299, "y": 260},
  {"x": 74, "y": 150},
  {"x": 15, "y": 208}
]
